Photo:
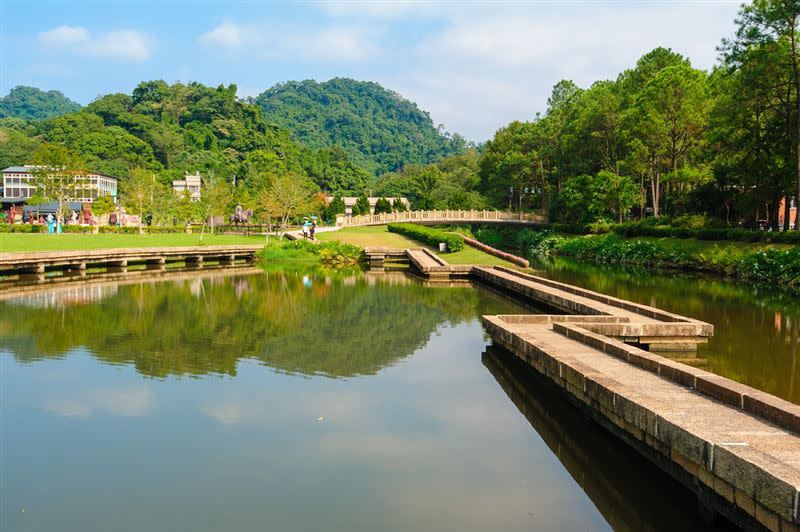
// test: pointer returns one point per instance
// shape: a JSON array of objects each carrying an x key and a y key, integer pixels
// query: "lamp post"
[{"x": 522, "y": 193}]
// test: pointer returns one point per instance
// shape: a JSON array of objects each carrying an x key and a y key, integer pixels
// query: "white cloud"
[
  {"x": 125, "y": 44},
  {"x": 380, "y": 10},
  {"x": 340, "y": 43},
  {"x": 226, "y": 35},
  {"x": 64, "y": 35},
  {"x": 500, "y": 64},
  {"x": 328, "y": 43}
]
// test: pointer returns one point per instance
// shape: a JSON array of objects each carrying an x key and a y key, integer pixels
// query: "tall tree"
[
  {"x": 768, "y": 24},
  {"x": 139, "y": 191},
  {"x": 286, "y": 197},
  {"x": 59, "y": 174}
]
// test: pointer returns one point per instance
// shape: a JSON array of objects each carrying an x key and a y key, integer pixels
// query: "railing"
[{"x": 443, "y": 216}]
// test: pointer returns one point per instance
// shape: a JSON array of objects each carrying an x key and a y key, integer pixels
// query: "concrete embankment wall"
[
  {"x": 737, "y": 447},
  {"x": 733, "y": 477}
]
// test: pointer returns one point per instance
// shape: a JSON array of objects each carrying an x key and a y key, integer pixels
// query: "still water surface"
[
  {"x": 254, "y": 400},
  {"x": 756, "y": 331}
]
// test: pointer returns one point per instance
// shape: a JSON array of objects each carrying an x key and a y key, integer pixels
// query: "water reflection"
[
  {"x": 302, "y": 321},
  {"x": 631, "y": 493},
  {"x": 757, "y": 332}
]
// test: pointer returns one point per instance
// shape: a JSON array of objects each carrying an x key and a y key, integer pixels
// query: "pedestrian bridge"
[{"x": 444, "y": 217}]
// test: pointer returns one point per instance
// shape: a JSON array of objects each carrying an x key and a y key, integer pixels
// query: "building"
[
  {"x": 19, "y": 185},
  {"x": 350, "y": 201},
  {"x": 190, "y": 183}
]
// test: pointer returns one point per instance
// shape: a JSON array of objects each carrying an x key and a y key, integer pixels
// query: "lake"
[{"x": 246, "y": 400}]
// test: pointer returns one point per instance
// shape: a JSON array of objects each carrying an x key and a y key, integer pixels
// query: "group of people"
[
  {"x": 54, "y": 222},
  {"x": 309, "y": 228}
]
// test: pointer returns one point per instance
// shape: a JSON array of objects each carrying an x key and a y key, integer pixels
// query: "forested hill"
[
  {"x": 179, "y": 128},
  {"x": 380, "y": 130},
  {"x": 30, "y": 103}
]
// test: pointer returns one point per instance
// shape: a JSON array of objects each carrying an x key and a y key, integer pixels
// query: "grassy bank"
[
  {"x": 337, "y": 254},
  {"x": 17, "y": 242},
  {"x": 379, "y": 235},
  {"x": 767, "y": 264}
]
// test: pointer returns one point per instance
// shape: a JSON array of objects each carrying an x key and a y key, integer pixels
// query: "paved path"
[{"x": 737, "y": 447}]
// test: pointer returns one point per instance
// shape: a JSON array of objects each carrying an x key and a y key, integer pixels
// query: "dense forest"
[
  {"x": 662, "y": 139},
  {"x": 173, "y": 129},
  {"x": 666, "y": 138},
  {"x": 30, "y": 103},
  {"x": 377, "y": 128}
]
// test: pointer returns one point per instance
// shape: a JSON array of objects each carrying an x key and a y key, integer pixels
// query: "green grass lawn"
[
  {"x": 19, "y": 242},
  {"x": 379, "y": 236}
]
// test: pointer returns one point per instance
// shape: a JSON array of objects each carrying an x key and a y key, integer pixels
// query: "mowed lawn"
[
  {"x": 379, "y": 236},
  {"x": 20, "y": 242}
]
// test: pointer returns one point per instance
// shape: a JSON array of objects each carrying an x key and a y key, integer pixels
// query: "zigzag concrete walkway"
[{"x": 737, "y": 447}]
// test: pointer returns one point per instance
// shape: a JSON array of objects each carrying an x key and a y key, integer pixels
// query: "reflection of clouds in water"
[
  {"x": 228, "y": 414},
  {"x": 128, "y": 402},
  {"x": 257, "y": 407}
]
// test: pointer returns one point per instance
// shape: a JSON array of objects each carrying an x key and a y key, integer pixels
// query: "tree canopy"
[
  {"x": 30, "y": 103},
  {"x": 378, "y": 129}
]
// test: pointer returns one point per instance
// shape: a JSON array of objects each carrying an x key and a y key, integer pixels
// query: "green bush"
[
  {"x": 772, "y": 266},
  {"x": 22, "y": 228},
  {"x": 428, "y": 235},
  {"x": 382, "y": 206},
  {"x": 327, "y": 252}
]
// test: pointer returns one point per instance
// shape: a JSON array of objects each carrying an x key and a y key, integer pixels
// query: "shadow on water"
[{"x": 631, "y": 493}]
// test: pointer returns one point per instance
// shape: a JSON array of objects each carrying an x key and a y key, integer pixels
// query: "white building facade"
[
  {"x": 19, "y": 183},
  {"x": 190, "y": 183}
]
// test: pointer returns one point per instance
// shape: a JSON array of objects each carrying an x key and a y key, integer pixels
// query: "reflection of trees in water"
[
  {"x": 757, "y": 331},
  {"x": 204, "y": 326}
]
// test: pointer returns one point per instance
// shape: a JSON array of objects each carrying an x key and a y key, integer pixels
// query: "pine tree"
[
  {"x": 361, "y": 206},
  {"x": 383, "y": 206}
]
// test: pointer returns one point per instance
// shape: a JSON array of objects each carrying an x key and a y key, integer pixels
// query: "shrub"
[
  {"x": 329, "y": 252},
  {"x": 22, "y": 228},
  {"x": 383, "y": 206},
  {"x": 361, "y": 206},
  {"x": 772, "y": 266},
  {"x": 428, "y": 235}
]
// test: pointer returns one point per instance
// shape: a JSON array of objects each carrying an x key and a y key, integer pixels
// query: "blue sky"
[{"x": 473, "y": 66}]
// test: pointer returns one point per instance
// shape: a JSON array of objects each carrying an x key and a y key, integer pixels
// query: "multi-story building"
[
  {"x": 190, "y": 183},
  {"x": 19, "y": 183}
]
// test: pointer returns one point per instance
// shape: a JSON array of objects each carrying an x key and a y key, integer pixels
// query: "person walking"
[
  {"x": 50, "y": 223},
  {"x": 313, "y": 229},
  {"x": 12, "y": 214}
]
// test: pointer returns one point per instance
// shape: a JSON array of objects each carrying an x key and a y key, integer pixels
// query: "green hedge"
[
  {"x": 85, "y": 229},
  {"x": 712, "y": 233},
  {"x": 428, "y": 235},
  {"x": 663, "y": 229},
  {"x": 771, "y": 267}
]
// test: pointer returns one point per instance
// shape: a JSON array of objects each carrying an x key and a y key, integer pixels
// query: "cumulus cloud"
[
  {"x": 124, "y": 44},
  {"x": 379, "y": 10},
  {"x": 501, "y": 63},
  {"x": 227, "y": 35},
  {"x": 328, "y": 43},
  {"x": 64, "y": 35}
]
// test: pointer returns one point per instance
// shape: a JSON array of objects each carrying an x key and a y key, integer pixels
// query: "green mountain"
[
  {"x": 173, "y": 129},
  {"x": 30, "y": 103},
  {"x": 380, "y": 130}
]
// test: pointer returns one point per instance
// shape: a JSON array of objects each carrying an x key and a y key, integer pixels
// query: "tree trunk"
[
  {"x": 656, "y": 189},
  {"x": 796, "y": 69}
]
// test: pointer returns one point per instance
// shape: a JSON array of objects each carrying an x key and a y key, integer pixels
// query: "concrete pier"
[
  {"x": 39, "y": 262},
  {"x": 737, "y": 447}
]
